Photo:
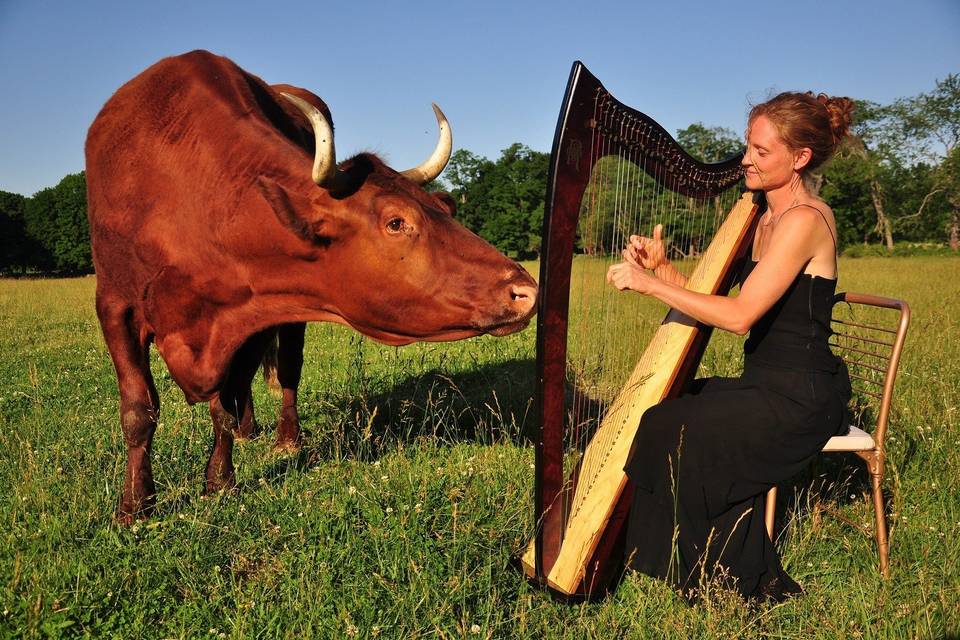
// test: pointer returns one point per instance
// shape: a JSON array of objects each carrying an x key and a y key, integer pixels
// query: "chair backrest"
[{"x": 868, "y": 334}]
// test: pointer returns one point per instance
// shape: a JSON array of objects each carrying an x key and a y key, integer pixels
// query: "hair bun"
[{"x": 840, "y": 110}]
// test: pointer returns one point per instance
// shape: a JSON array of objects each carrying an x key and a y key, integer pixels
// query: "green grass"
[{"x": 413, "y": 493}]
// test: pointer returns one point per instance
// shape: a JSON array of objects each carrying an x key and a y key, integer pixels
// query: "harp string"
[
  {"x": 581, "y": 375},
  {"x": 623, "y": 199}
]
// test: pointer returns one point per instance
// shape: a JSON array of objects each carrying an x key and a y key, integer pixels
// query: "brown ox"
[{"x": 210, "y": 231}]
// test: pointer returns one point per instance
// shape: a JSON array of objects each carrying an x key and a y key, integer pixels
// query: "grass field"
[{"x": 400, "y": 516}]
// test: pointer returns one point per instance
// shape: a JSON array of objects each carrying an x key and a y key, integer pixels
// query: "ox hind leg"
[
  {"x": 139, "y": 404},
  {"x": 289, "y": 367},
  {"x": 247, "y": 428},
  {"x": 227, "y": 409}
]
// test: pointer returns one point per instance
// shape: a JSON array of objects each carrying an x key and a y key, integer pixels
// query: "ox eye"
[{"x": 396, "y": 225}]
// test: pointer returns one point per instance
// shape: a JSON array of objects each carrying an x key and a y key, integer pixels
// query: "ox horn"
[
  {"x": 325, "y": 171},
  {"x": 441, "y": 155}
]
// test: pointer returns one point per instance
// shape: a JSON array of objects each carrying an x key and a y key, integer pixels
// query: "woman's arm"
[
  {"x": 668, "y": 273},
  {"x": 791, "y": 247}
]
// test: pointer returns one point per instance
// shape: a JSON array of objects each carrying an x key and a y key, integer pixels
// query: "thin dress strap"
[{"x": 832, "y": 237}]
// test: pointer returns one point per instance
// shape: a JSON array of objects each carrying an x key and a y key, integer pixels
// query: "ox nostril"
[
  {"x": 524, "y": 296},
  {"x": 520, "y": 292}
]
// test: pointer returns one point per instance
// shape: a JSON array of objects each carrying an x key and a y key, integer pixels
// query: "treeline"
[
  {"x": 895, "y": 180},
  {"x": 48, "y": 232}
]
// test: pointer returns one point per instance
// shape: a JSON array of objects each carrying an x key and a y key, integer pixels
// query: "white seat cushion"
[{"x": 856, "y": 440}]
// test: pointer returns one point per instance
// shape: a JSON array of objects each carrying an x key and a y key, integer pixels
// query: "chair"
[{"x": 869, "y": 339}]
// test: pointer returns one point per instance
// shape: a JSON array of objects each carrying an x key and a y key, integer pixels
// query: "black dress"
[{"x": 701, "y": 464}]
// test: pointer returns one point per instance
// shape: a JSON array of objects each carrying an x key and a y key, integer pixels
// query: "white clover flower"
[{"x": 475, "y": 628}]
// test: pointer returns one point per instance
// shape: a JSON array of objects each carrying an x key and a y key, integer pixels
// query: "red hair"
[{"x": 804, "y": 120}]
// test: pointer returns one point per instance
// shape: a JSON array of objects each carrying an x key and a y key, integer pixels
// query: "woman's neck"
[{"x": 786, "y": 196}]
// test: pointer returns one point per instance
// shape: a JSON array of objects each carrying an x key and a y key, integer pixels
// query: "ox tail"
[{"x": 270, "y": 363}]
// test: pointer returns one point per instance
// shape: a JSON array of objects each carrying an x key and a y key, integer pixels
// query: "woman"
[{"x": 701, "y": 463}]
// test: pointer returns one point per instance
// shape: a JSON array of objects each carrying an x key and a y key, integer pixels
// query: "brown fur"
[{"x": 209, "y": 237}]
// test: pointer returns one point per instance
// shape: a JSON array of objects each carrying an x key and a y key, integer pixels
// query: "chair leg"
[
  {"x": 883, "y": 545},
  {"x": 771, "y": 510}
]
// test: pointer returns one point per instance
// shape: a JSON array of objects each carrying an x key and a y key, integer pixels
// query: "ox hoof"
[
  {"x": 287, "y": 447},
  {"x": 289, "y": 437},
  {"x": 220, "y": 485},
  {"x": 246, "y": 432},
  {"x": 127, "y": 514}
]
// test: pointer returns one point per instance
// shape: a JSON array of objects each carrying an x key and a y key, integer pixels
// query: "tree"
[
  {"x": 517, "y": 187},
  {"x": 72, "y": 246},
  {"x": 949, "y": 177},
  {"x": 464, "y": 169},
  {"x": 902, "y": 150},
  {"x": 56, "y": 218},
  {"x": 38, "y": 217},
  {"x": 847, "y": 186},
  {"x": 931, "y": 121},
  {"x": 709, "y": 144},
  {"x": 465, "y": 173},
  {"x": 15, "y": 245},
  {"x": 501, "y": 201}
]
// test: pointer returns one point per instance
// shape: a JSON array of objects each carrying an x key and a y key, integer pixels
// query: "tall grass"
[{"x": 403, "y": 512}]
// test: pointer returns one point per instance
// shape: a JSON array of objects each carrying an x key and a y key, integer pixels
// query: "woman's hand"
[
  {"x": 630, "y": 276},
  {"x": 648, "y": 253}
]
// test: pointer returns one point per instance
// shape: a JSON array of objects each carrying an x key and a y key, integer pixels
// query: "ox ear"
[
  {"x": 295, "y": 211},
  {"x": 447, "y": 203}
]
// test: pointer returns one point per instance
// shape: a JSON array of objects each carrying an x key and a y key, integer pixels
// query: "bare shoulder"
[
  {"x": 802, "y": 218},
  {"x": 815, "y": 213},
  {"x": 815, "y": 224}
]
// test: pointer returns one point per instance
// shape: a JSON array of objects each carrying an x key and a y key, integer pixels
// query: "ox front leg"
[
  {"x": 139, "y": 405},
  {"x": 227, "y": 410},
  {"x": 289, "y": 367}
]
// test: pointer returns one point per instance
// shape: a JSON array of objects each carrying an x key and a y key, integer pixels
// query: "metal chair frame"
[{"x": 870, "y": 449}]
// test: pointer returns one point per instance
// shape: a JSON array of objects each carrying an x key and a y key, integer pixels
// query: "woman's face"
[{"x": 768, "y": 163}]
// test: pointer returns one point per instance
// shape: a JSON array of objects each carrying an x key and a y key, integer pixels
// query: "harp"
[{"x": 613, "y": 172}]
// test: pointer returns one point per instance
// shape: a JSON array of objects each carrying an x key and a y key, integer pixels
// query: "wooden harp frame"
[{"x": 575, "y": 150}]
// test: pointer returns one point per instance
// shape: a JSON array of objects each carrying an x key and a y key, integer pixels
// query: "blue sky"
[{"x": 497, "y": 69}]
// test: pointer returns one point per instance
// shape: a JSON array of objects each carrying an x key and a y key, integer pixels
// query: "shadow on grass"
[{"x": 487, "y": 405}]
